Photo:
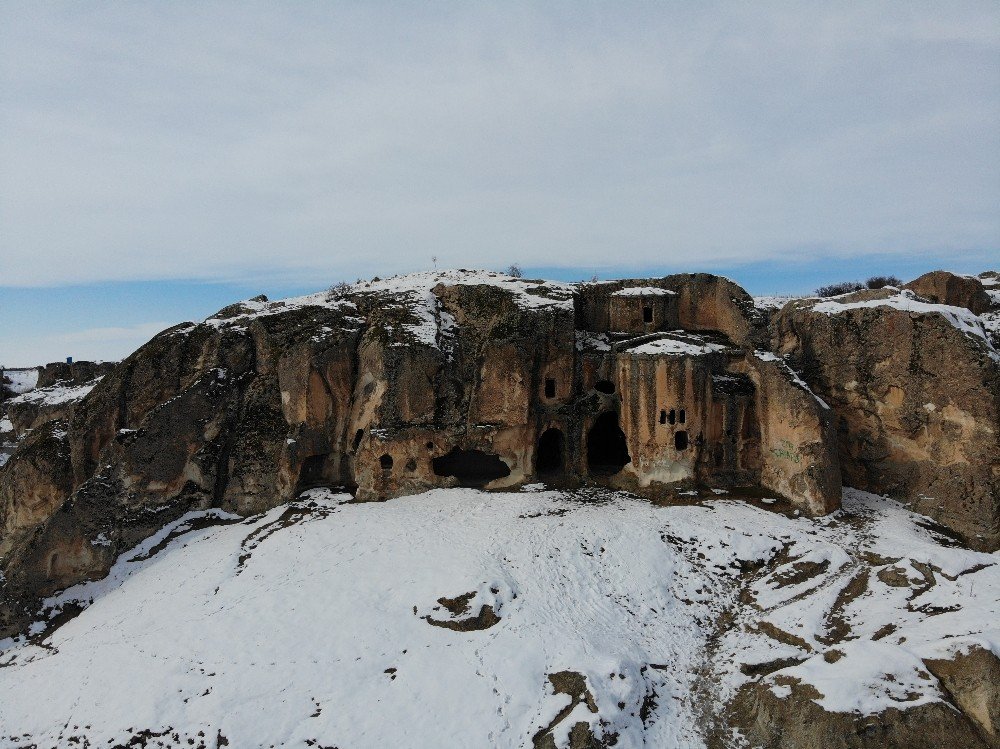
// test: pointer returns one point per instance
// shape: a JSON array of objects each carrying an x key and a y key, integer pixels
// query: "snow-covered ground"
[
  {"x": 58, "y": 394},
  {"x": 21, "y": 380},
  {"x": 436, "y": 620}
]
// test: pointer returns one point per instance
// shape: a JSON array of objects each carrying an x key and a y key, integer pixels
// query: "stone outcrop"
[
  {"x": 796, "y": 721},
  {"x": 943, "y": 287},
  {"x": 972, "y": 682},
  {"x": 394, "y": 387},
  {"x": 916, "y": 392}
]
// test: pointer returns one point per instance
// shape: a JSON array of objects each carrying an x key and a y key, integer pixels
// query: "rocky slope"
[
  {"x": 394, "y": 387},
  {"x": 530, "y": 619},
  {"x": 636, "y": 399}
]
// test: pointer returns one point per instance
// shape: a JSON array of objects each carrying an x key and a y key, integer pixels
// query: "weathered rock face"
[
  {"x": 795, "y": 721},
  {"x": 916, "y": 392},
  {"x": 396, "y": 387},
  {"x": 972, "y": 681},
  {"x": 942, "y": 287}
]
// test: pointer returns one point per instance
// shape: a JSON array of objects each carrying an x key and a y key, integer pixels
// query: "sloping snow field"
[{"x": 319, "y": 623}]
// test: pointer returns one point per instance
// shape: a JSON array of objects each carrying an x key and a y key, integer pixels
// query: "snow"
[
  {"x": 430, "y": 324},
  {"x": 644, "y": 291},
  {"x": 21, "y": 380},
  {"x": 309, "y": 625},
  {"x": 589, "y": 341},
  {"x": 959, "y": 317},
  {"x": 684, "y": 344},
  {"x": 774, "y": 302},
  {"x": 57, "y": 394},
  {"x": 772, "y": 357}
]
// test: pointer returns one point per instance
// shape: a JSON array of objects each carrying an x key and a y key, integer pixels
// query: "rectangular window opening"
[
  {"x": 550, "y": 388},
  {"x": 647, "y": 314}
]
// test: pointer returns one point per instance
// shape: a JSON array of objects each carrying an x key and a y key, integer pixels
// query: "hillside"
[
  {"x": 461, "y": 508},
  {"x": 328, "y": 624}
]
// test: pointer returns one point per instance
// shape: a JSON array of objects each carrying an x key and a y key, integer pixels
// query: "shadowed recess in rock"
[
  {"x": 607, "y": 452},
  {"x": 549, "y": 458},
  {"x": 471, "y": 467}
]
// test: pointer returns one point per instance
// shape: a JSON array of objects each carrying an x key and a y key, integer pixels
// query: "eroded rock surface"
[
  {"x": 942, "y": 287},
  {"x": 916, "y": 392},
  {"x": 432, "y": 380}
]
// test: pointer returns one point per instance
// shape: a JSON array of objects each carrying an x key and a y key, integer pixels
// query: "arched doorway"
[
  {"x": 549, "y": 458},
  {"x": 607, "y": 452}
]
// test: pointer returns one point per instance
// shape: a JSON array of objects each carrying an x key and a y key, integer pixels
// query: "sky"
[{"x": 161, "y": 160}]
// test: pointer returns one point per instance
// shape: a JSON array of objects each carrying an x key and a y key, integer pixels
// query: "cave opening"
[
  {"x": 681, "y": 440},
  {"x": 663, "y": 416},
  {"x": 386, "y": 462},
  {"x": 472, "y": 468},
  {"x": 647, "y": 314},
  {"x": 605, "y": 386},
  {"x": 312, "y": 473},
  {"x": 607, "y": 451},
  {"x": 682, "y": 416},
  {"x": 672, "y": 418},
  {"x": 549, "y": 457},
  {"x": 550, "y": 388}
]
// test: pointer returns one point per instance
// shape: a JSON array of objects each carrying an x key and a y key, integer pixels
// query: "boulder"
[{"x": 943, "y": 287}]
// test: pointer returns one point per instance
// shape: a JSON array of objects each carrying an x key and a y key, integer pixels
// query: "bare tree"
[
  {"x": 514, "y": 270},
  {"x": 880, "y": 282},
  {"x": 836, "y": 289},
  {"x": 339, "y": 289}
]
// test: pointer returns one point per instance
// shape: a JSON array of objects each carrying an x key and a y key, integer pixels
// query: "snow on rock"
[
  {"x": 437, "y": 620},
  {"x": 57, "y": 394},
  {"x": 643, "y": 291},
  {"x": 964, "y": 320},
  {"x": 21, "y": 380},
  {"x": 681, "y": 343},
  {"x": 772, "y": 357},
  {"x": 429, "y": 324},
  {"x": 774, "y": 302}
]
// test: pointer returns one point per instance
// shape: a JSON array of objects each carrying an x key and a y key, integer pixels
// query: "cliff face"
[
  {"x": 916, "y": 391},
  {"x": 398, "y": 386}
]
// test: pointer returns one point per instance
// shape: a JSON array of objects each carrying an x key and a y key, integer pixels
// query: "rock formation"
[
  {"x": 398, "y": 386},
  {"x": 942, "y": 287},
  {"x": 915, "y": 388}
]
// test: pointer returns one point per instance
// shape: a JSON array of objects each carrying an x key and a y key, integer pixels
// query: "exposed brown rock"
[
  {"x": 469, "y": 380},
  {"x": 795, "y": 721},
  {"x": 917, "y": 403},
  {"x": 943, "y": 287},
  {"x": 972, "y": 681}
]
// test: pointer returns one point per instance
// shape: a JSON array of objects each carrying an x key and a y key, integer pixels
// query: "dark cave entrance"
[
  {"x": 312, "y": 473},
  {"x": 472, "y": 468},
  {"x": 549, "y": 457},
  {"x": 607, "y": 452}
]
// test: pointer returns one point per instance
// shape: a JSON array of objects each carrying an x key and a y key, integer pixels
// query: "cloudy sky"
[{"x": 159, "y": 160}]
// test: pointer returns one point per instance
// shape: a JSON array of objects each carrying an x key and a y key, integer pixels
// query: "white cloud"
[{"x": 239, "y": 140}]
